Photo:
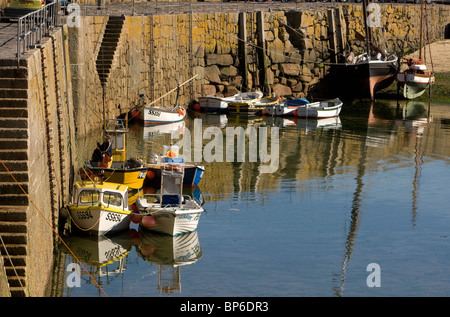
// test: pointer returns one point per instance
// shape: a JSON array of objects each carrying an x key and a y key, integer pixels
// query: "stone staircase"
[
  {"x": 14, "y": 154},
  {"x": 110, "y": 41}
]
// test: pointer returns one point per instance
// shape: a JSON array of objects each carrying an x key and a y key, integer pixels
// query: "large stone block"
[
  {"x": 281, "y": 90},
  {"x": 290, "y": 69},
  {"x": 219, "y": 59}
]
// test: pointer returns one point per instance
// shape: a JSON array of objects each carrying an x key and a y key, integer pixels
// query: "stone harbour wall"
[{"x": 287, "y": 53}]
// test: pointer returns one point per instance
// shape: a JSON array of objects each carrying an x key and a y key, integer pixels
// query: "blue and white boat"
[{"x": 289, "y": 107}]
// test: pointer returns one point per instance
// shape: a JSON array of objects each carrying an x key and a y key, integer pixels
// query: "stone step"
[
  {"x": 13, "y": 93},
  {"x": 14, "y": 238},
  {"x": 13, "y": 112},
  {"x": 12, "y": 226},
  {"x": 13, "y": 83},
  {"x": 14, "y": 123},
  {"x": 17, "y": 292},
  {"x": 13, "y": 144},
  {"x": 21, "y": 200},
  {"x": 21, "y": 271},
  {"x": 14, "y": 166},
  {"x": 111, "y": 38},
  {"x": 107, "y": 51},
  {"x": 116, "y": 26},
  {"x": 14, "y": 261},
  {"x": 13, "y": 155},
  {"x": 13, "y": 249},
  {"x": 13, "y": 133},
  {"x": 103, "y": 62},
  {"x": 12, "y": 62},
  {"x": 13, "y": 213},
  {"x": 13, "y": 72},
  {"x": 15, "y": 281},
  {"x": 13, "y": 188},
  {"x": 13, "y": 102},
  {"x": 19, "y": 176}
]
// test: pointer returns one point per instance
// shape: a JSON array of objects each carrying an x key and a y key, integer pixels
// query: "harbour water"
[{"x": 357, "y": 206}]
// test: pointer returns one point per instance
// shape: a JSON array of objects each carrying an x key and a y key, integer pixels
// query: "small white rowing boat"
[{"x": 320, "y": 109}]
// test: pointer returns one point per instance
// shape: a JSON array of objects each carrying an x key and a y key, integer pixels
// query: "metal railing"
[{"x": 32, "y": 27}]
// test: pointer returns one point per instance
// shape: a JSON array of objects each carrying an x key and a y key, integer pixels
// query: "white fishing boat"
[
  {"x": 99, "y": 208},
  {"x": 219, "y": 104},
  {"x": 169, "y": 211},
  {"x": 320, "y": 109},
  {"x": 161, "y": 115}
]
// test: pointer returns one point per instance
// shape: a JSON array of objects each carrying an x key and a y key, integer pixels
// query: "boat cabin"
[{"x": 95, "y": 194}]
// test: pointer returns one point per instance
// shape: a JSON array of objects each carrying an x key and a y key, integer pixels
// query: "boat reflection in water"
[
  {"x": 104, "y": 257},
  {"x": 149, "y": 133},
  {"x": 169, "y": 253}
]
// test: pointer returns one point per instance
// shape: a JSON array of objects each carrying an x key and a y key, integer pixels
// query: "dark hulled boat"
[{"x": 365, "y": 74}]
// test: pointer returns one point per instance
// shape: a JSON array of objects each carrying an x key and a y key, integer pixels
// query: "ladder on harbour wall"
[
  {"x": 14, "y": 154},
  {"x": 110, "y": 41}
]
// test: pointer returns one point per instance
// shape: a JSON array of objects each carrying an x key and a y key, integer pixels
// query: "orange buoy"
[
  {"x": 150, "y": 174},
  {"x": 148, "y": 221},
  {"x": 136, "y": 218}
]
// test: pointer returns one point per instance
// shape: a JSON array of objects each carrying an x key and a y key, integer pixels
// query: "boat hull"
[
  {"x": 414, "y": 85},
  {"x": 153, "y": 115},
  {"x": 321, "y": 109},
  {"x": 364, "y": 79},
  {"x": 175, "y": 223},
  {"x": 99, "y": 220},
  {"x": 214, "y": 104},
  {"x": 252, "y": 107}
]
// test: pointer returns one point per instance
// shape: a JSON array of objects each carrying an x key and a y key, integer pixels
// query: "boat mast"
[
  {"x": 368, "y": 36},
  {"x": 421, "y": 30}
]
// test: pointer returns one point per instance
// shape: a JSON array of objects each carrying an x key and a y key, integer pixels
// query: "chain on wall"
[
  {"x": 59, "y": 113},
  {"x": 48, "y": 137}
]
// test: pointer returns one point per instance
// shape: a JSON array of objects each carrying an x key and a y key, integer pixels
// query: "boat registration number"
[
  {"x": 113, "y": 217},
  {"x": 84, "y": 214},
  {"x": 142, "y": 174},
  {"x": 154, "y": 113}
]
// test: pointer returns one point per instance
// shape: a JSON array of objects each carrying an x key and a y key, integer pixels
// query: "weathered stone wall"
[
  {"x": 44, "y": 170},
  {"x": 158, "y": 51},
  {"x": 48, "y": 196}
]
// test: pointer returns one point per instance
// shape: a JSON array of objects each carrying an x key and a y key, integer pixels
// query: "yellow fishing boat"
[
  {"x": 130, "y": 172},
  {"x": 99, "y": 207}
]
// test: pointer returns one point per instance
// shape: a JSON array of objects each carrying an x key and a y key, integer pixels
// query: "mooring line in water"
[{"x": 53, "y": 229}]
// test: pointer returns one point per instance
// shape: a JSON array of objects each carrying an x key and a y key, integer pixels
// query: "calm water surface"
[{"x": 368, "y": 187}]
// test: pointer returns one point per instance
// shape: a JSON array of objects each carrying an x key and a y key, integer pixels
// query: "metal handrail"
[{"x": 32, "y": 27}]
